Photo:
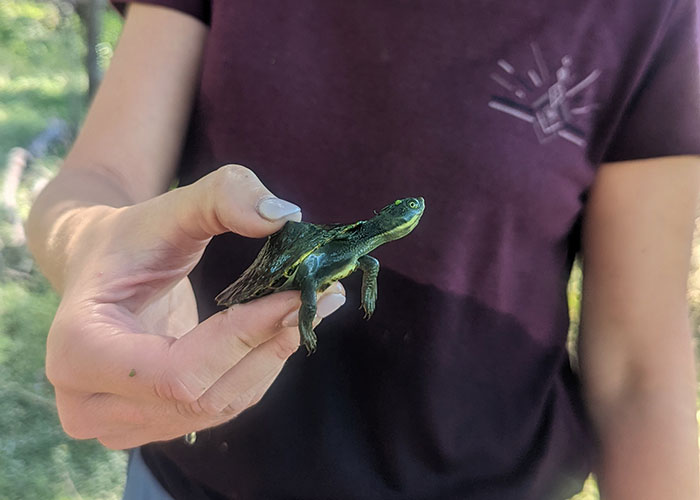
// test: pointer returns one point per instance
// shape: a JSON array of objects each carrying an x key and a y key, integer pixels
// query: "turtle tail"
[{"x": 228, "y": 296}]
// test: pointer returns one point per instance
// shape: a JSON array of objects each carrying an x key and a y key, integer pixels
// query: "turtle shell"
[{"x": 274, "y": 267}]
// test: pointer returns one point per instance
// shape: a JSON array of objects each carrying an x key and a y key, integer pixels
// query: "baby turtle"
[{"x": 309, "y": 257}]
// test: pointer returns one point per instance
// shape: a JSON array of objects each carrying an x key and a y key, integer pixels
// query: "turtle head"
[{"x": 398, "y": 219}]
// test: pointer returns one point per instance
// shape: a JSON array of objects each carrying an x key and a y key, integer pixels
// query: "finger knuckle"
[
  {"x": 55, "y": 372},
  {"x": 284, "y": 345},
  {"x": 183, "y": 409},
  {"x": 206, "y": 407},
  {"x": 76, "y": 426},
  {"x": 241, "y": 401},
  {"x": 232, "y": 181},
  {"x": 170, "y": 386},
  {"x": 197, "y": 409},
  {"x": 58, "y": 354},
  {"x": 240, "y": 341},
  {"x": 114, "y": 442},
  {"x": 258, "y": 397},
  {"x": 234, "y": 174},
  {"x": 75, "y": 422},
  {"x": 243, "y": 342}
]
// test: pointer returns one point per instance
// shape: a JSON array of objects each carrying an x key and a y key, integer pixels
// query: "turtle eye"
[{"x": 412, "y": 204}]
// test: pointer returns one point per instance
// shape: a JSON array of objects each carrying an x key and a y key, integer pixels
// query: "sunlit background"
[{"x": 52, "y": 54}]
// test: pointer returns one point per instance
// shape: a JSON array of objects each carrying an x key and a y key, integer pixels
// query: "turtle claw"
[
  {"x": 368, "y": 309},
  {"x": 310, "y": 344},
  {"x": 369, "y": 299},
  {"x": 308, "y": 337},
  {"x": 370, "y": 268}
]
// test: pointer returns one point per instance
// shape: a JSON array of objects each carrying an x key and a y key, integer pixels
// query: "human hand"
[{"x": 128, "y": 359}]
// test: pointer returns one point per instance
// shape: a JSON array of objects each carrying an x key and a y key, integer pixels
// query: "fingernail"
[
  {"x": 335, "y": 287},
  {"x": 275, "y": 209},
  {"x": 291, "y": 319},
  {"x": 329, "y": 303},
  {"x": 326, "y": 305}
]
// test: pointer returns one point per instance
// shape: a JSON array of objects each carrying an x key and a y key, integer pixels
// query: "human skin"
[
  {"x": 128, "y": 359},
  {"x": 635, "y": 345},
  {"x": 119, "y": 253}
]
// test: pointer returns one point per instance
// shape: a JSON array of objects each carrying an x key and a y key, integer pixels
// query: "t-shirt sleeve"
[
  {"x": 662, "y": 115},
  {"x": 199, "y": 9}
]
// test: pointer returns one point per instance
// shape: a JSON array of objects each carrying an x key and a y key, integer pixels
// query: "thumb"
[{"x": 231, "y": 198}]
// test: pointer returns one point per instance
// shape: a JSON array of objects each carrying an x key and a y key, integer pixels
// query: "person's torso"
[{"x": 497, "y": 114}]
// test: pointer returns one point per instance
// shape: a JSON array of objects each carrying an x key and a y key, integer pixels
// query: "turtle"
[{"x": 309, "y": 257}]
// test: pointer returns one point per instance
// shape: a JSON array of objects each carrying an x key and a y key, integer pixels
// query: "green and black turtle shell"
[{"x": 274, "y": 267}]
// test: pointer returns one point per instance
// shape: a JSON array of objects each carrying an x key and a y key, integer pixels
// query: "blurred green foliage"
[
  {"x": 38, "y": 459},
  {"x": 41, "y": 75},
  {"x": 41, "y": 79}
]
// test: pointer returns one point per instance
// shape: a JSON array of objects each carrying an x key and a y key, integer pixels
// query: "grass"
[
  {"x": 39, "y": 460},
  {"x": 41, "y": 75},
  {"x": 41, "y": 79}
]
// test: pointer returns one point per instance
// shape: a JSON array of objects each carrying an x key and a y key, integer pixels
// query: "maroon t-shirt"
[{"x": 498, "y": 113}]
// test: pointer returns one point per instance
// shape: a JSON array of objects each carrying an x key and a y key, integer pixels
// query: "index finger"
[
  {"x": 108, "y": 351},
  {"x": 199, "y": 358}
]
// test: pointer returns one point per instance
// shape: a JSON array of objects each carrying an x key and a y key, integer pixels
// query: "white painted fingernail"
[
  {"x": 275, "y": 209},
  {"x": 326, "y": 305},
  {"x": 335, "y": 287},
  {"x": 291, "y": 319},
  {"x": 329, "y": 303}
]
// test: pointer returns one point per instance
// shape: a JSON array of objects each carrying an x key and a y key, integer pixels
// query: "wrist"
[{"x": 62, "y": 220}]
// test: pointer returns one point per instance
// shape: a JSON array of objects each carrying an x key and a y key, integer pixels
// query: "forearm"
[
  {"x": 647, "y": 427},
  {"x": 60, "y": 213},
  {"x": 130, "y": 142},
  {"x": 635, "y": 348}
]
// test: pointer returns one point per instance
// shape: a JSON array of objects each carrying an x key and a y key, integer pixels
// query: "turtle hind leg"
[
  {"x": 370, "y": 269},
  {"x": 307, "y": 313}
]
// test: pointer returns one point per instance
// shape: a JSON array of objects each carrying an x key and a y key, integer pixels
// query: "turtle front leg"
[
  {"x": 370, "y": 269},
  {"x": 307, "y": 313}
]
